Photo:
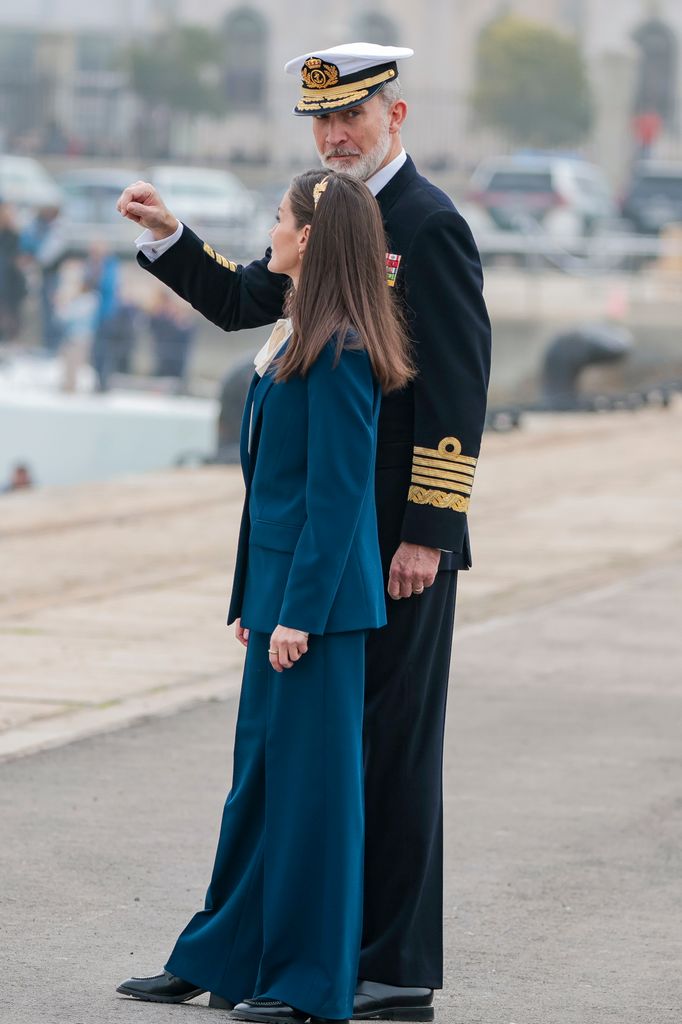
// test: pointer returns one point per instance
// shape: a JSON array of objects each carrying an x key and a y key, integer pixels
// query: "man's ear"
[{"x": 397, "y": 116}]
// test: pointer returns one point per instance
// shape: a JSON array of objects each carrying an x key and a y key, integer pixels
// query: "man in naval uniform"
[{"x": 429, "y": 440}]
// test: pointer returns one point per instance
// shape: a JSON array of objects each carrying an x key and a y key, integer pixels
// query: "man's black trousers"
[{"x": 407, "y": 668}]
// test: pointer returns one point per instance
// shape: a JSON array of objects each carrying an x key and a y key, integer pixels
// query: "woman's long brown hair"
[{"x": 342, "y": 284}]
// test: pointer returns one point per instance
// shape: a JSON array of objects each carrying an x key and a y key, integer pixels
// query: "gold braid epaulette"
[{"x": 442, "y": 477}]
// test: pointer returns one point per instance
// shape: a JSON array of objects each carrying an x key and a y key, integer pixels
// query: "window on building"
[
  {"x": 246, "y": 66},
  {"x": 376, "y": 28},
  {"x": 572, "y": 14},
  {"x": 656, "y": 86},
  {"x": 95, "y": 52},
  {"x": 17, "y": 53}
]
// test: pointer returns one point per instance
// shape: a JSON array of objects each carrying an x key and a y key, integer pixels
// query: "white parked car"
[
  {"x": 26, "y": 185},
  {"x": 566, "y": 196},
  {"x": 206, "y": 199},
  {"x": 89, "y": 211}
]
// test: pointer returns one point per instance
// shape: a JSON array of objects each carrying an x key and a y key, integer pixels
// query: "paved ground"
[
  {"x": 564, "y": 831},
  {"x": 113, "y": 596},
  {"x": 563, "y": 795}
]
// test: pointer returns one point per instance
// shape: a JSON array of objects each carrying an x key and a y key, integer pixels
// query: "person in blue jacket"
[{"x": 281, "y": 928}]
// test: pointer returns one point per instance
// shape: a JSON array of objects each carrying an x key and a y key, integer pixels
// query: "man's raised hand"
[{"x": 140, "y": 202}]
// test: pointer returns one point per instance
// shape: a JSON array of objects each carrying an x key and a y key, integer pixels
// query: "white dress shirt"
[
  {"x": 153, "y": 248},
  {"x": 383, "y": 176}
]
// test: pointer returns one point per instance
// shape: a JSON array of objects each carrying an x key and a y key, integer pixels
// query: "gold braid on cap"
[{"x": 319, "y": 189}]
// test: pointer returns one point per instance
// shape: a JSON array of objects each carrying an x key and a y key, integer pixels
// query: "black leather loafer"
[
  {"x": 376, "y": 1001},
  {"x": 161, "y": 988},
  {"x": 272, "y": 1011}
]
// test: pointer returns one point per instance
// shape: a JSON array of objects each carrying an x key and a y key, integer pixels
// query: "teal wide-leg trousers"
[{"x": 283, "y": 912}]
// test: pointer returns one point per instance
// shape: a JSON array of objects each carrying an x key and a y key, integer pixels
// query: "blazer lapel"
[
  {"x": 398, "y": 183},
  {"x": 262, "y": 386},
  {"x": 246, "y": 427}
]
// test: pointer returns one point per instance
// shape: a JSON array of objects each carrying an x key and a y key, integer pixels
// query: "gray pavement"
[{"x": 563, "y": 829}]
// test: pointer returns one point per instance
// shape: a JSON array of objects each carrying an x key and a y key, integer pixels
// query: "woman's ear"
[{"x": 303, "y": 238}]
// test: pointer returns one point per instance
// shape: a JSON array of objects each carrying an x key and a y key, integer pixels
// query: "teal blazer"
[{"x": 308, "y": 554}]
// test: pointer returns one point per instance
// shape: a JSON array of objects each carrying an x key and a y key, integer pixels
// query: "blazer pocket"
[{"x": 276, "y": 536}]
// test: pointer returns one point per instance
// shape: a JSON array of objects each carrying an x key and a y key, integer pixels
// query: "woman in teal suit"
[{"x": 280, "y": 931}]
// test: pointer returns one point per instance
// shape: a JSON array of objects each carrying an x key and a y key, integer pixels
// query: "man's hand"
[
  {"x": 286, "y": 647},
  {"x": 413, "y": 568},
  {"x": 241, "y": 633},
  {"x": 141, "y": 203}
]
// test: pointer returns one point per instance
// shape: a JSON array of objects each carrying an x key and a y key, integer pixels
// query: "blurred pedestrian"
[
  {"x": 20, "y": 479},
  {"x": 44, "y": 241},
  {"x": 172, "y": 326},
  {"x": 114, "y": 327},
  {"x": 77, "y": 319},
  {"x": 12, "y": 279}
]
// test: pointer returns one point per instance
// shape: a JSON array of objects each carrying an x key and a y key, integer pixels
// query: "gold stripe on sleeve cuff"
[
  {"x": 450, "y": 449},
  {"x": 438, "y": 482},
  {"x": 449, "y": 465},
  {"x": 438, "y": 499},
  {"x": 442, "y": 475}
]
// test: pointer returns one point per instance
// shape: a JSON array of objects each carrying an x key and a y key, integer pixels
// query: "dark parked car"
[
  {"x": 567, "y": 196},
  {"x": 654, "y": 198}
]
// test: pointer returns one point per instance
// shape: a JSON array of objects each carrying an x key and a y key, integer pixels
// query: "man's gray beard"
[{"x": 364, "y": 166}]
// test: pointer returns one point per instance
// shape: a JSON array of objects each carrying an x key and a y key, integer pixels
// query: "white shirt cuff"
[{"x": 152, "y": 247}]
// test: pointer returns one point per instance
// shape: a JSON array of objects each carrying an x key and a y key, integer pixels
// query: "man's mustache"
[{"x": 341, "y": 152}]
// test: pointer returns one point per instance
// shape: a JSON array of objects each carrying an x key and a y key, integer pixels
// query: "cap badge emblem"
[{"x": 316, "y": 74}]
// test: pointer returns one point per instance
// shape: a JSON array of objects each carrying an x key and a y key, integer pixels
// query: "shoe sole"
[
  {"x": 148, "y": 998},
  {"x": 406, "y": 1013},
  {"x": 260, "y": 1019}
]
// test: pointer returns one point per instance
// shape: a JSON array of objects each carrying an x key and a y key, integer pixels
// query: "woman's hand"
[
  {"x": 241, "y": 633},
  {"x": 286, "y": 647}
]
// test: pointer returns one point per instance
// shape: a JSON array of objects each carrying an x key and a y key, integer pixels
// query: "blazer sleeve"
[
  {"x": 340, "y": 454},
  {"x": 451, "y": 331},
  {"x": 231, "y": 296}
]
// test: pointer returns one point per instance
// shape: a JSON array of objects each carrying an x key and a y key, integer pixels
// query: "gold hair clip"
[{"x": 319, "y": 189}]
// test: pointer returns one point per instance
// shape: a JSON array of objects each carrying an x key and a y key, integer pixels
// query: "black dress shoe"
[
  {"x": 376, "y": 1001},
  {"x": 161, "y": 988},
  {"x": 272, "y": 1011}
]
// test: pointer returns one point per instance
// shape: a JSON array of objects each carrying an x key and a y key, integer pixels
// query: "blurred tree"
[
  {"x": 176, "y": 72},
  {"x": 531, "y": 83}
]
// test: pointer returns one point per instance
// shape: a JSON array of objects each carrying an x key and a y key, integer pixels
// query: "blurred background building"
[
  {"x": 554, "y": 125},
  {"x": 74, "y": 79}
]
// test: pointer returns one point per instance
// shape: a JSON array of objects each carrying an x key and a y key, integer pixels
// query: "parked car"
[
  {"x": 213, "y": 201},
  {"x": 27, "y": 186},
  {"x": 90, "y": 214},
  {"x": 654, "y": 197},
  {"x": 566, "y": 196}
]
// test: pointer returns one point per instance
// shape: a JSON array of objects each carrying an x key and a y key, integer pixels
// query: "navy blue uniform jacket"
[
  {"x": 308, "y": 554},
  {"x": 429, "y": 433}
]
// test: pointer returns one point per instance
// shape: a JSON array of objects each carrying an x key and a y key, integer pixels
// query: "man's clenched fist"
[{"x": 141, "y": 203}]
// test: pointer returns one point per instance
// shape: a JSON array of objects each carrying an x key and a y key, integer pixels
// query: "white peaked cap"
[
  {"x": 352, "y": 57},
  {"x": 344, "y": 76}
]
